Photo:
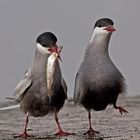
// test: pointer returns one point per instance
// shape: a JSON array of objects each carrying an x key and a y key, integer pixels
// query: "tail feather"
[{"x": 9, "y": 107}]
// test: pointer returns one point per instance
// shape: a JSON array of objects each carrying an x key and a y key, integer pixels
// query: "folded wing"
[{"x": 23, "y": 85}]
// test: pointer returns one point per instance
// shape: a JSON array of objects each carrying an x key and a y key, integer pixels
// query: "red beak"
[
  {"x": 57, "y": 50},
  {"x": 110, "y": 28}
]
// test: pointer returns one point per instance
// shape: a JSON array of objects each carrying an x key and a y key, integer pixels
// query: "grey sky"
[{"x": 72, "y": 21}]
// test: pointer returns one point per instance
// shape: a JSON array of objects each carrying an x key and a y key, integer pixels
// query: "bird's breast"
[{"x": 101, "y": 73}]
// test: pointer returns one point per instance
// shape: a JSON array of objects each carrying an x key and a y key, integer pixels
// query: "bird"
[
  {"x": 98, "y": 82},
  {"x": 42, "y": 90}
]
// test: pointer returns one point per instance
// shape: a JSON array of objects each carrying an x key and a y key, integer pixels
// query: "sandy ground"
[{"x": 110, "y": 124}]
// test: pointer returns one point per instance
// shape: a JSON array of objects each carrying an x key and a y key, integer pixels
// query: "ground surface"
[{"x": 110, "y": 124}]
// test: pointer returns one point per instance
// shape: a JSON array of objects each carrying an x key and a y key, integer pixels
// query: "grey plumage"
[
  {"x": 32, "y": 92},
  {"x": 98, "y": 81}
]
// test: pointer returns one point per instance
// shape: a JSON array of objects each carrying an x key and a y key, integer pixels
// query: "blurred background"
[{"x": 72, "y": 22}]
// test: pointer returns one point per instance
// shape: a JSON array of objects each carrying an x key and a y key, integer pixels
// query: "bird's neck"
[
  {"x": 99, "y": 43},
  {"x": 39, "y": 63}
]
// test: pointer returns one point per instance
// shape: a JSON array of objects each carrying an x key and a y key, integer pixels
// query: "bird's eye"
[
  {"x": 99, "y": 25},
  {"x": 44, "y": 45}
]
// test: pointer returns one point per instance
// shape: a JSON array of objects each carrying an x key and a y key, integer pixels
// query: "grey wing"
[
  {"x": 76, "y": 90},
  {"x": 79, "y": 89},
  {"x": 64, "y": 85},
  {"x": 23, "y": 85}
]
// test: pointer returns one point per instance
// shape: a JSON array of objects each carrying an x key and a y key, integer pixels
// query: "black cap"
[
  {"x": 47, "y": 39},
  {"x": 103, "y": 22}
]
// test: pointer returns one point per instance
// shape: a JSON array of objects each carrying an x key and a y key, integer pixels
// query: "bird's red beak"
[
  {"x": 110, "y": 28},
  {"x": 57, "y": 50}
]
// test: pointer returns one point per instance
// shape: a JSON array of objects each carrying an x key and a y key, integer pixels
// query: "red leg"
[
  {"x": 24, "y": 134},
  {"x": 91, "y": 131},
  {"x": 121, "y": 110},
  {"x": 61, "y": 132}
]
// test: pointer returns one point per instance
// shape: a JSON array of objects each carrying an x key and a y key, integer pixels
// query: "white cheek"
[
  {"x": 42, "y": 49},
  {"x": 99, "y": 31}
]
